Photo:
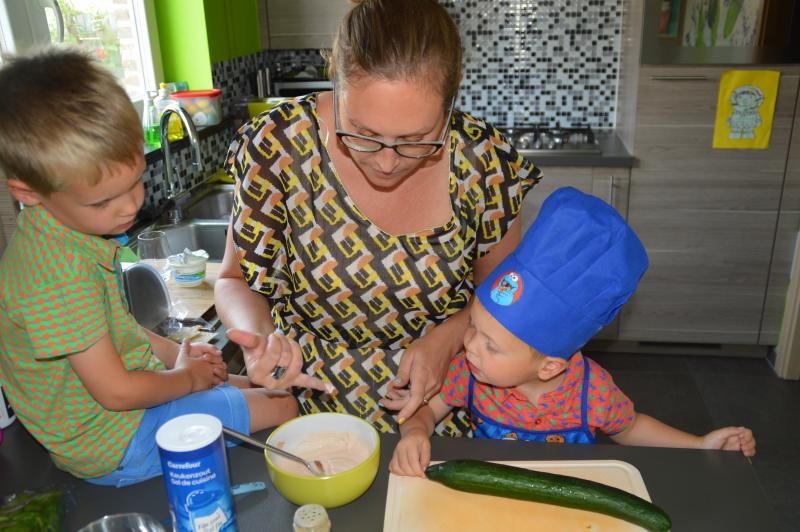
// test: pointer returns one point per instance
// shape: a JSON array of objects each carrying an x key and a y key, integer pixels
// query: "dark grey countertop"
[
  {"x": 612, "y": 154},
  {"x": 700, "y": 490}
]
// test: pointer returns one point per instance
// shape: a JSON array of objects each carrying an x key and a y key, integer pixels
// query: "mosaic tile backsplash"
[
  {"x": 545, "y": 61},
  {"x": 212, "y": 149},
  {"x": 525, "y": 62},
  {"x": 553, "y": 62}
]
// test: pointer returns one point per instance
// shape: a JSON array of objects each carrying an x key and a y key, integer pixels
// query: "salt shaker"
[{"x": 311, "y": 518}]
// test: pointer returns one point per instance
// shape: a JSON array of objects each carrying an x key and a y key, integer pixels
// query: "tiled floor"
[{"x": 698, "y": 394}]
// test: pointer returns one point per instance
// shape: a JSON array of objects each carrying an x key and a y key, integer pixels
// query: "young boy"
[
  {"x": 522, "y": 375},
  {"x": 84, "y": 378}
]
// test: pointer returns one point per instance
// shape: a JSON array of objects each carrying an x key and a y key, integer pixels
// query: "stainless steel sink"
[
  {"x": 213, "y": 203},
  {"x": 196, "y": 234},
  {"x": 204, "y": 224}
]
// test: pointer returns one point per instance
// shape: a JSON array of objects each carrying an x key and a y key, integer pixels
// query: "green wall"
[{"x": 194, "y": 34}]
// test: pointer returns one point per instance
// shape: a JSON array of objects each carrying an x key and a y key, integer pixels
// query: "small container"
[
  {"x": 311, "y": 518},
  {"x": 256, "y": 107},
  {"x": 118, "y": 522},
  {"x": 188, "y": 268},
  {"x": 203, "y": 106},
  {"x": 196, "y": 473}
]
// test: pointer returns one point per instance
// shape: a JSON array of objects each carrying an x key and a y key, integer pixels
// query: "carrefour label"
[{"x": 198, "y": 488}]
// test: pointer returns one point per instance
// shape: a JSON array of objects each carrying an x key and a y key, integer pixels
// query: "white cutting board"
[{"x": 421, "y": 505}]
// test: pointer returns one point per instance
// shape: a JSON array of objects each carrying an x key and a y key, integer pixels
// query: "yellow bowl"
[{"x": 334, "y": 490}]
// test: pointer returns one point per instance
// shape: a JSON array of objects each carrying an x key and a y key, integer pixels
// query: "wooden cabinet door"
[
  {"x": 295, "y": 24},
  {"x": 707, "y": 217},
  {"x": 786, "y": 239}
]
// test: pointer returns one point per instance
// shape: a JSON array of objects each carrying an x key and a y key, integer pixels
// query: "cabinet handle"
[
  {"x": 679, "y": 78},
  {"x": 611, "y": 190}
]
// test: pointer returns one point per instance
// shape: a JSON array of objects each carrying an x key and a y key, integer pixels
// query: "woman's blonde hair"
[
  {"x": 398, "y": 39},
  {"x": 62, "y": 116}
]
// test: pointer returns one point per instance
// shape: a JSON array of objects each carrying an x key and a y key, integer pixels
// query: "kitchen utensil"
[
  {"x": 148, "y": 297},
  {"x": 333, "y": 490},
  {"x": 316, "y": 467},
  {"x": 124, "y": 523},
  {"x": 153, "y": 249},
  {"x": 418, "y": 504}
]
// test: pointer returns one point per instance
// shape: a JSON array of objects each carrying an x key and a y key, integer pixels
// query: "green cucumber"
[{"x": 518, "y": 483}]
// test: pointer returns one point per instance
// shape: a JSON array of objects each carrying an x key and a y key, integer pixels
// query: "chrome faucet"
[{"x": 175, "y": 188}]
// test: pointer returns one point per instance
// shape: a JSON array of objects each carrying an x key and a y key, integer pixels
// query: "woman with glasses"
[{"x": 363, "y": 219}]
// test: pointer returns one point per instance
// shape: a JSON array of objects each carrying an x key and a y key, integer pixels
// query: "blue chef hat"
[{"x": 575, "y": 267}]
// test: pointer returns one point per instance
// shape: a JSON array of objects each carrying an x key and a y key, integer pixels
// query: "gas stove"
[{"x": 540, "y": 139}]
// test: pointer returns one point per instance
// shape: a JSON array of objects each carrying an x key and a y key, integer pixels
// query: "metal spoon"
[{"x": 314, "y": 466}]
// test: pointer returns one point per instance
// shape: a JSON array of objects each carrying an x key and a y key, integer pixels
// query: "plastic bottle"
[
  {"x": 151, "y": 123},
  {"x": 175, "y": 130}
]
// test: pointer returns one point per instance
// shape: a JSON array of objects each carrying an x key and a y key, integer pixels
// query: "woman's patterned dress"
[{"x": 352, "y": 295}]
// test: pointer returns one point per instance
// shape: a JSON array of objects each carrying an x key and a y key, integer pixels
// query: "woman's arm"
[
  {"x": 425, "y": 361},
  {"x": 237, "y": 306},
  {"x": 246, "y": 315}
]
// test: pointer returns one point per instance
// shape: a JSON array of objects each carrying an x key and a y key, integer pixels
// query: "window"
[
  {"x": 116, "y": 33},
  {"x": 121, "y": 34}
]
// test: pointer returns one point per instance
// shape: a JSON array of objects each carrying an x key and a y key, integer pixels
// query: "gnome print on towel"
[
  {"x": 745, "y": 118},
  {"x": 507, "y": 289}
]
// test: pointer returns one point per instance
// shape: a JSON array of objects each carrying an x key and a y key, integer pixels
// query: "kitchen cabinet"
[
  {"x": 707, "y": 217},
  {"x": 296, "y": 24},
  {"x": 786, "y": 240},
  {"x": 609, "y": 184},
  {"x": 194, "y": 34}
]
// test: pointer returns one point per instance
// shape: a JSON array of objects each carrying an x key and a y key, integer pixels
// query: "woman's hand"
[
  {"x": 422, "y": 369},
  {"x": 275, "y": 361}
]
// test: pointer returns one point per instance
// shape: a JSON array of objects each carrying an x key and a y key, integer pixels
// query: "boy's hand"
[
  {"x": 731, "y": 439},
  {"x": 275, "y": 361},
  {"x": 412, "y": 455},
  {"x": 204, "y": 374},
  {"x": 210, "y": 354}
]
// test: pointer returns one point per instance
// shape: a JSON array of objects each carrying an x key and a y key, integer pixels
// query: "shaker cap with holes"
[{"x": 311, "y": 518}]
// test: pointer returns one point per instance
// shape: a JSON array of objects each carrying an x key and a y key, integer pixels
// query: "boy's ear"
[
  {"x": 551, "y": 367},
  {"x": 23, "y": 193}
]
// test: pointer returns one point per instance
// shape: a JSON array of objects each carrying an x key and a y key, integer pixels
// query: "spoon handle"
[{"x": 252, "y": 441}]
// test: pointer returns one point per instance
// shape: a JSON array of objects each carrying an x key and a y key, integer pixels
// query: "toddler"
[{"x": 522, "y": 375}]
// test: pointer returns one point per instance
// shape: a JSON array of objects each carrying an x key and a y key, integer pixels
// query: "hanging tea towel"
[{"x": 745, "y": 108}]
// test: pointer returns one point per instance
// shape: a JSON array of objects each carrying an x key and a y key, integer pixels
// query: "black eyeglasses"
[{"x": 365, "y": 144}]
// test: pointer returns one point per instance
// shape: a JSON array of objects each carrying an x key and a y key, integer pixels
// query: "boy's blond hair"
[{"x": 63, "y": 116}]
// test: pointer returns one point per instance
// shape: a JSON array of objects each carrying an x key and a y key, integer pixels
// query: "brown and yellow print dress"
[{"x": 353, "y": 296}]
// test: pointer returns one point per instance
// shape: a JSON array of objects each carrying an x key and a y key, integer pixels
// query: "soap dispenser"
[
  {"x": 175, "y": 130},
  {"x": 150, "y": 123}
]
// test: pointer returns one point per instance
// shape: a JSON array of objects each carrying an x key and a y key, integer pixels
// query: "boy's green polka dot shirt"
[{"x": 60, "y": 292}]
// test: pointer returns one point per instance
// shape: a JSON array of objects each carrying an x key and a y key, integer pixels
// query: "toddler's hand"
[
  {"x": 204, "y": 374},
  {"x": 731, "y": 439},
  {"x": 212, "y": 355},
  {"x": 412, "y": 455}
]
